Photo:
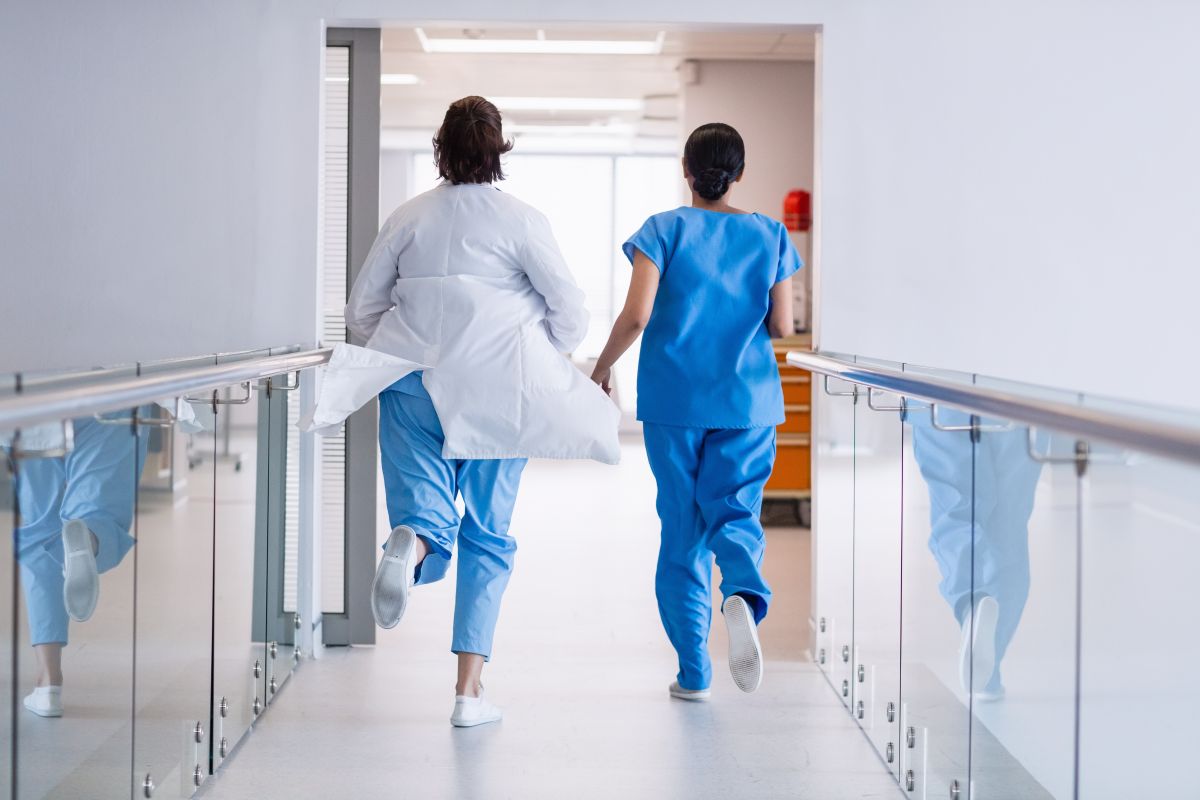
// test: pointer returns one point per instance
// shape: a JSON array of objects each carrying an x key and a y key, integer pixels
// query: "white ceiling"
[{"x": 417, "y": 110}]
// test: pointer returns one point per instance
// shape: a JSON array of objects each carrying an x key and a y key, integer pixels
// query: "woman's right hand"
[{"x": 602, "y": 377}]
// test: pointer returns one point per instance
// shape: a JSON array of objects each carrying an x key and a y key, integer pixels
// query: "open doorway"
[{"x": 598, "y": 117}]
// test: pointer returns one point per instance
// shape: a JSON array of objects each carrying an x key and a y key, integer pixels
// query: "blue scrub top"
[{"x": 706, "y": 359}]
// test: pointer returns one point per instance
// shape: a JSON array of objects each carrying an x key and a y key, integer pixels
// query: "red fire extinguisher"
[{"x": 797, "y": 210}]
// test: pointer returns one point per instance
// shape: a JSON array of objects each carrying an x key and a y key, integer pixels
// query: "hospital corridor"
[
  {"x": 581, "y": 675},
  {"x": 657, "y": 400}
]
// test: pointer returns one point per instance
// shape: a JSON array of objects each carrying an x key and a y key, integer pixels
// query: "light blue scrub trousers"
[
  {"x": 980, "y": 503},
  {"x": 710, "y": 491},
  {"x": 421, "y": 487},
  {"x": 96, "y": 483}
]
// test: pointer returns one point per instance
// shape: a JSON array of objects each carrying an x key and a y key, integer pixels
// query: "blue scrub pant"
[
  {"x": 96, "y": 483},
  {"x": 710, "y": 491},
  {"x": 980, "y": 503},
  {"x": 421, "y": 487}
]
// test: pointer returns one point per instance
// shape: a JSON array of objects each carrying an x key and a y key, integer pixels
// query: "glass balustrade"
[
  {"x": 154, "y": 573},
  {"x": 1026, "y": 597}
]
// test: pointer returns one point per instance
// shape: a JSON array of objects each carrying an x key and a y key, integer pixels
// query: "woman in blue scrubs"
[{"x": 711, "y": 286}]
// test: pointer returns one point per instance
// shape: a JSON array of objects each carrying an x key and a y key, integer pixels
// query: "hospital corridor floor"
[{"x": 581, "y": 668}]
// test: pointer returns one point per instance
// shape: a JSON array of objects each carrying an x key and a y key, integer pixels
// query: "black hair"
[
  {"x": 715, "y": 156},
  {"x": 469, "y": 144}
]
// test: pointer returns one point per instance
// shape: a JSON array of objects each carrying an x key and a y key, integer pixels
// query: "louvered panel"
[
  {"x": 335, "y": 189},
  {"x": 291, "y": 505}
]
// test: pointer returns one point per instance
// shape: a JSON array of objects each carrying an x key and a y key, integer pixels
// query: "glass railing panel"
[
  {"x": 1140, "y": 613},
  {"x": 833, "y": 529},
  {"x": 936, "y": 587},
  {"x": 878, "y": 451},
  {"x": 8, "y": 578},
  {"x": 282, "y": 531},
  {"x": 174, "y": 611},
  {"x": 239, "y": 582},
  {"x": 1021, "y": 674},
  {"x": 74, "y": 545}
]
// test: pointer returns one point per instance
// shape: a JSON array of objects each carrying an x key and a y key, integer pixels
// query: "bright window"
[{"x": 594, "y": 203}]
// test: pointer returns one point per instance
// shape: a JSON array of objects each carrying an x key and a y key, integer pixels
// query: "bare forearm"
[{"x": 624, "y": 333}]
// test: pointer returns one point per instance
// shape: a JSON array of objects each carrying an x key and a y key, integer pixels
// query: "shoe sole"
[
  {"x": 980, "y": 660},
  {"x": 389, "y": 590},
  {"x": 474, "y": 723},
  {"x": 745, "y": 653},
  {"x": 81, "y": 579},
  {"x": 40, "y": 713}
]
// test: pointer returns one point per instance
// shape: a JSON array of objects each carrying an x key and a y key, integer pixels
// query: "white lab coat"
[{"x": 468, "y": 283}]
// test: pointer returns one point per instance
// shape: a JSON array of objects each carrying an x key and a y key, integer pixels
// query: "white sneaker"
[
  {"x": 45, "y": 701},
  {"x": 745, "y": 653},
  {"x": 389, "y": 592},
  {"x": 695, "y": 695},
  {"x": 472, "y": 711},
  {"x": 81, "y": 587},
  {"x": 977, "y": 647}
]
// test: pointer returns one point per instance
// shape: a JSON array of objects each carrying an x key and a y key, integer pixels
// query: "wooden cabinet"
[{"x": 792, "y": 477}]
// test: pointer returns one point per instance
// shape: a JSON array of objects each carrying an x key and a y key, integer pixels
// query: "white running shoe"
[
  {"x": 389, "y": 592},
  {"x": 472, "y": 711},
  {"x": 45, "y": 701},
  {"x": 81, "y": 587},
  {"x": 694, "y": 695},
  {"x": 977, "y": 647},
  {"x": 745, "y": 653}
]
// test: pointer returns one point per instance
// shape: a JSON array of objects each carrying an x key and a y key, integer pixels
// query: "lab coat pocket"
[{"x": 542, "y": 367}]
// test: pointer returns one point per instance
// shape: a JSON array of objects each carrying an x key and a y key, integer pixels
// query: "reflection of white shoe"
[
  {"x": 389, "y": 592},
  {"x": 977, "y": 650},
  {"x": 45, "y": 701},
  {"x": 81, "y": 587},
  {"x": 745, "y": 654},
  {"x": 681, "y": 693},
  {"x": 991, "y": 694},
  {"x": 472, "y": 711}
]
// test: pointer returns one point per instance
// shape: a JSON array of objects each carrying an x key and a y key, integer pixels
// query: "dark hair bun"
[
  {"x": 715, "y": 156},
  {"x": 712, "y": 183}
]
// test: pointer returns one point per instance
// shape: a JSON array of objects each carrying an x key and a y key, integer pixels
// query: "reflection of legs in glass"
[
  {"x": 980, "y": 497},
  {"x": 46, "y": 698},
  {"x": 75, "y": 518},
  {"x": 81, "y": 578}
]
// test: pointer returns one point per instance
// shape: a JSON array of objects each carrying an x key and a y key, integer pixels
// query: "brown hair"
[{"x": 469, "y": 144}]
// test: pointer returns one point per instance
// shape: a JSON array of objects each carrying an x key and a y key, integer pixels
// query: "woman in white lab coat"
[{"x": 469, "y": 282}]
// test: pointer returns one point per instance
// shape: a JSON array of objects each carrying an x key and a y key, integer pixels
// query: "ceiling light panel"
[
  {"x": 542, "y": 45},
  {"x": 399, "y": 79},
  {"x": 568, "y": 103}
]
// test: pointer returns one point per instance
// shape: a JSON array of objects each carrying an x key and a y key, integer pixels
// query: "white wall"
[
  {"x": 771, "y": 105},
  {"x": 159, "y": 189},
  {"x": 1011, "y": 192}
]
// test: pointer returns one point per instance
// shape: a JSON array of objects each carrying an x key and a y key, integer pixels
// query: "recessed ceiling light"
[
  {"x": 542, "y": 45},
  {"x": 399, "y": 79},
  {"x": 568, "y": 103},
  {"x": 612, "y": 129}
]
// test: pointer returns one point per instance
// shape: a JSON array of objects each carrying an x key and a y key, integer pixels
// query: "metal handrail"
[
  {"x": 37, "y": 407},
  {"x": 1133, "y": 433}
]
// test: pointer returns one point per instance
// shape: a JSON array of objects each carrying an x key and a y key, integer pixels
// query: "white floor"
[{"x": 581, "y": 667}]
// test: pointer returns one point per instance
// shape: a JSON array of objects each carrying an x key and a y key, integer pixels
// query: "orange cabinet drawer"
[
  {"x": 796, "y": 390},
  {"x": 793, "y": 464},
  {"x": 799, "y": 418}
]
